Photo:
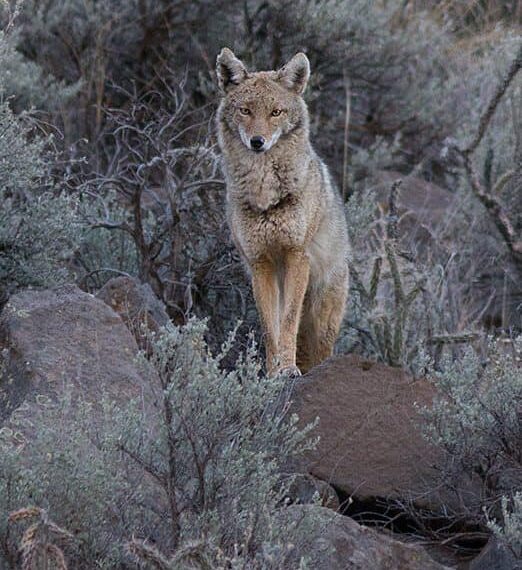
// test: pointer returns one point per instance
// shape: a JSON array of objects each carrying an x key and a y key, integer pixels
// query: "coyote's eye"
[
  {"x": 244, "y": 111},
  {"x": 276, "y": 112}
]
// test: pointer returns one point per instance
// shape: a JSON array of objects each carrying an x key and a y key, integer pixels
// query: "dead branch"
[
  {"x": 489, "y": 201},
  {"x": 515, "y": 67},
  {"x": 496, "y": 211}
]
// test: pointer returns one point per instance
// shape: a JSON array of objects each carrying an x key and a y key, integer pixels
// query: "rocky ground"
[{"x": 370, "y": 462}]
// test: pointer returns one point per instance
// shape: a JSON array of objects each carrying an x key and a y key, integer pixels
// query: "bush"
[
  {"x": 104, "y": 251},
  {"x": 476, "y": 420},
  {"x": 385, "y": 48},
  {"x": 161, "y": 198},
  {"x": 97, "y": 48},
  {"x": 131, "y": 85},
  {"x": 199, "y": 474},
  {"x": 414, "y": 80},
  {"x": 509, "y": 531},
  {"x": 401, "y": 308},
  {"x": 38, "y": 229},
  {"x": 38, "y": 226}
]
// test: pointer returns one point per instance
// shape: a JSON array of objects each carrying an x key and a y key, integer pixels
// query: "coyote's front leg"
[
  {"x": 266, "y": 295},
  {"x": 295, "y": 283}
]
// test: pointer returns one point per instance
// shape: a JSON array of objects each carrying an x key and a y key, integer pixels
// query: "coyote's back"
[{"x": 286, "y": 218}]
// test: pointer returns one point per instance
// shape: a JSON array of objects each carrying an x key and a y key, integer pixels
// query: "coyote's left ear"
[
  {"x": 295, "y": 74},
  {"x": 229, "y": 69}
]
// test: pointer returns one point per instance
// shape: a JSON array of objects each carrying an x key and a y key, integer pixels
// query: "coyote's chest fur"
[{"x": 267, "y": 205}]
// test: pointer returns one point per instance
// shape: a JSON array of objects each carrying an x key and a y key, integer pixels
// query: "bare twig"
[
  {"x": 457, "y": 338},
  {"x": 148, "y": 554}
]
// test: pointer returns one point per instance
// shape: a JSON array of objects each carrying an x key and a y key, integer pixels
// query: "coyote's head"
[{"x": 265, "y": 105}]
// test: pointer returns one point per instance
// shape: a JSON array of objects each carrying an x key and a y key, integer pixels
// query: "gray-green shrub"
[
  {"x": 476, "y": 419},
  {"x": 509, "y": 530},
  {"x": 413, "y": 82},
  {"x": 200, "y": 470},
  {"x": 162, "y": 198},
  {"x": 38, "y": 229},
  {"x": 401, "y": 305}
]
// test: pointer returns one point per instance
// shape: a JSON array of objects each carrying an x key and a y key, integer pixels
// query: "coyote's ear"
[
  {"x": 294, "y": 75},
  {"x": 229, "y": 69}
]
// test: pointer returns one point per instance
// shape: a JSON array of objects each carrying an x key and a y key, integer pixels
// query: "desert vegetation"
[{"x": 109, "y": 167}]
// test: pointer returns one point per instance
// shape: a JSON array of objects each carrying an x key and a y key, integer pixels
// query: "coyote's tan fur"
[{"x": 284, "y": 213}]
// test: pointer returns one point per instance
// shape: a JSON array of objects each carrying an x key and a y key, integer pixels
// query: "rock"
[
  {"x": 136, "y": 304},
  {"x": 370, "y": 445},
  {"x": 423, "y": 209},
  {"x": 70, "y": 366},
  {"x": 495, "y": 556},
  {"x": 334, "y": 542},
  {"x": 305, "y": 489},
  {"x": 62, "y": 336},
  {"x": 425, "y": 212}
]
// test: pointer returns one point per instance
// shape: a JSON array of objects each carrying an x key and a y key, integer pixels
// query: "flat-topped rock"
[{"x": 371, "y": 443}]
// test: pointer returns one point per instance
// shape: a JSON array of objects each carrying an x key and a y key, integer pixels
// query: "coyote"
[{"x": 285, "y": 216}]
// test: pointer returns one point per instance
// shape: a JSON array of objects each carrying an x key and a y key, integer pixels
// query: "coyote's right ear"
[
  {"x": 229, "y": 69},
  {"x": 295, "y": 74}
]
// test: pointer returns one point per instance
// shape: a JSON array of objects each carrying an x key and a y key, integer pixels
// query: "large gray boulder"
[
  {"x": 62, "y": 337},
  {"x": 334, "y": 542}
]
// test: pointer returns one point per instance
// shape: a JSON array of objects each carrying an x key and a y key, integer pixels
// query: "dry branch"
[
  {"x": 489, "y": 200},
  {"x": 515, "y": 67},
  {"x": 495, "y": 209},
  {"x": 148, "y": 554},
  {"x": 393, "y": 214}
]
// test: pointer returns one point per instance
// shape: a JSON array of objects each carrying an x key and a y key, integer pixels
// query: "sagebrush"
[{"x": 200, "y": 470}]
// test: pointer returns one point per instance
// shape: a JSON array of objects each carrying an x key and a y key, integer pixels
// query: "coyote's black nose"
[{"x": 257, "y": 143}]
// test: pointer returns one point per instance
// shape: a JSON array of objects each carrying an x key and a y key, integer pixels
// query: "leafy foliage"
[
  {"x": 37, "y": 225},
  {"x": 147, "y": 159},
  {"x": 399, "y": 309},
  {"x": 223, "y": 440},
  {"x": 478, "y": 417}
]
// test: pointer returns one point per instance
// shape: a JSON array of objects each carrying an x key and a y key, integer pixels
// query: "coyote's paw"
[{"x": 291, "y": 371}]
